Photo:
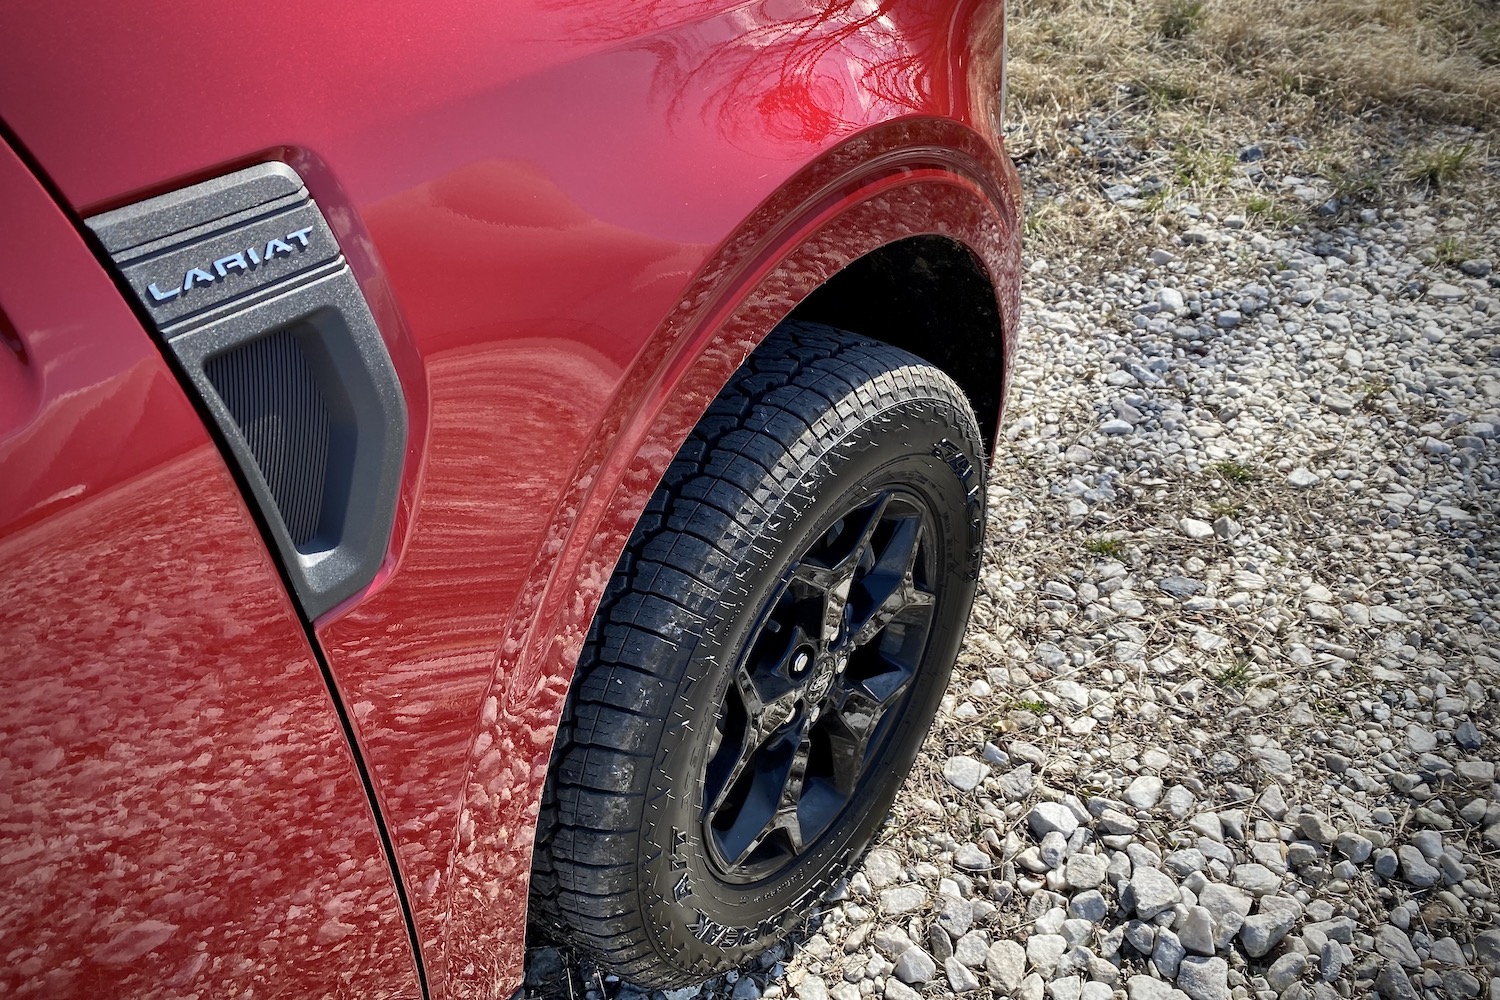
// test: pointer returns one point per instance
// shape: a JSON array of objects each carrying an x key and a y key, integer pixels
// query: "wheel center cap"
[{"x": 830, "y": 667}]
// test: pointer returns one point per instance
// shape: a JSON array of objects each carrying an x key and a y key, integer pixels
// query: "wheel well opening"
[{"x": 928, "y": 295}]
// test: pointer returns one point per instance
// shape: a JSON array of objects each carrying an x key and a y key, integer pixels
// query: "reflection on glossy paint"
[
  {"x": 789, "y": 71},
  {"x": 177, "y": 810}
]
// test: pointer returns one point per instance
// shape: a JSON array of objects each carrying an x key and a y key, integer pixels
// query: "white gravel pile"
[{"x": 1226, "y": 725}]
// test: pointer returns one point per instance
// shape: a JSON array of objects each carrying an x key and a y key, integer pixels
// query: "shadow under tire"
[{"x": 766, "y": 660}]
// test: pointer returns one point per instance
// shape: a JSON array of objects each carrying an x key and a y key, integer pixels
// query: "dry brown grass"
[
  {"x": 1437, "y": 60},
  {"x": 1382, "y": 99}
]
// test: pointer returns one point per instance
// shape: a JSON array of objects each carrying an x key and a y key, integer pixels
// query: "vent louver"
[{"x": 269, "y": 389}]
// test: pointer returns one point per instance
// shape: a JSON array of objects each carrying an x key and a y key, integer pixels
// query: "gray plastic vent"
[
  {"x": 269, "y": 388},
  {"x": 246, "y": 285}
]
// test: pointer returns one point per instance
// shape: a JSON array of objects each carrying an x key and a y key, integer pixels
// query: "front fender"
[{"x": 913, "y": 177}]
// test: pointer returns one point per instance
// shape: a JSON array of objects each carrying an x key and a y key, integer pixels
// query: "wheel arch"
[{"x": 929, "y": 295}]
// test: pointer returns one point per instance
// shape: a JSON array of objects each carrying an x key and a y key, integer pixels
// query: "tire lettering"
[
  {"x": 711, "y": 932},
  {"x": 963, "y": 469}
]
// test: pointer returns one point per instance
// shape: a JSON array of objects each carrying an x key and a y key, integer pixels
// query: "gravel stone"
[
  {"x": 1392, "y": 983},
  {"x": 1196, "y": 931},
  {"x": 1416, "y": 869},
  {"x": 960, "y": 978},
  {"x": 1168, "y": 953},
  {"x": 964, "y": 773},
  {"x": 970, "y": 858},
  {"x": 1053, "y": 849},
  {"x": 1089, "y": 906},
  {"x": 1066, "y": 988},
  {"x": 1145, "y": 791},
  {"x": 1017, "y": 783},
  {"x": 1286, "y": 970},
  {"x": 1487, "y": 950},
  {"x": 914, "y": 965},
  {"x": 1044, "y": 951},
  {"x": 1420, "y": 739},
  {"x": 1146, "y": 988},
  {"x": 1256, "y": 879},
  {"x": 1086, "y": 871},
  {"x": 1154, "y": 892},
  {"x": 1317, "y": 828},
  {"x": 902, "y": 899},
  {"x": 1195, "y": 529},
  {"x": 1179, "y": 801},
  {"x": 972, "y": 949},
  {"x": 891, "y": 941},
  {"x": 1204, "y": 978},
  {"x": 939, "y": 944},
  {"x": 1046, "y": 817},
  {"x": 1005, "y": 963},
  {"x": 954, "y": 915},
  {"x": 1112, "y": 821},
  {"x": 1392, "y": 943},
  {"x": 810, "y": 988},
  {"x": 1355, "y": 847},
  {"x": 1263, "y": 931},
  {"x": 1429, "y": 842},
  {"x": 882, "y": 867},
  {"x": 895, "y": 989}
]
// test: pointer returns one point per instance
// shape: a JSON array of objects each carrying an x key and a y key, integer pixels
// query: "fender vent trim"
[{"x": 250, "y": 293}]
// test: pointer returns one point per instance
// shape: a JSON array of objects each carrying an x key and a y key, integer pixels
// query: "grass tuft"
[
  {"x": 1237, "y": 674},
  {"x": 1439, "y": 165},
  {"x": 1235, "y": 472},
  {"x": 1108, "y": 548},
  {"x": 1180, "y": 18},
  {"x": 1451, "y": 251}
]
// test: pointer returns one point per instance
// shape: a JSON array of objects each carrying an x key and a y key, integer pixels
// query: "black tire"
[{"x": 725, "y": 658}]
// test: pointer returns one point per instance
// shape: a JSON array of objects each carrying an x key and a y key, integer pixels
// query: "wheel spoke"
[
  {"x": 836, "y": 580},
  {"x": 890, "y": 585},
  {"x": 771, "y": 798},
  {"x": 857, "y": 710},
  {"x": 791, "y": 796},
  {"x": 729, "y": 769},
  {"x": 832, "y": 586},
  {"x": 750, "y": 697}
]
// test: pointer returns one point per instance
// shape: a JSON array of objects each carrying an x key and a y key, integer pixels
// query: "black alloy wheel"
[{"x": 832, "y": 661}]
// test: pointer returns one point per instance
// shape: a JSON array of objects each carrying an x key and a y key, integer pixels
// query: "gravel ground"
[
  {"x": 1228, "y": 718},
  {"x": 1227, "y": 721}
]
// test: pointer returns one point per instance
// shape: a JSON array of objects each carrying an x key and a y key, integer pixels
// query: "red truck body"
[{"x": 571, "y": 222}]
